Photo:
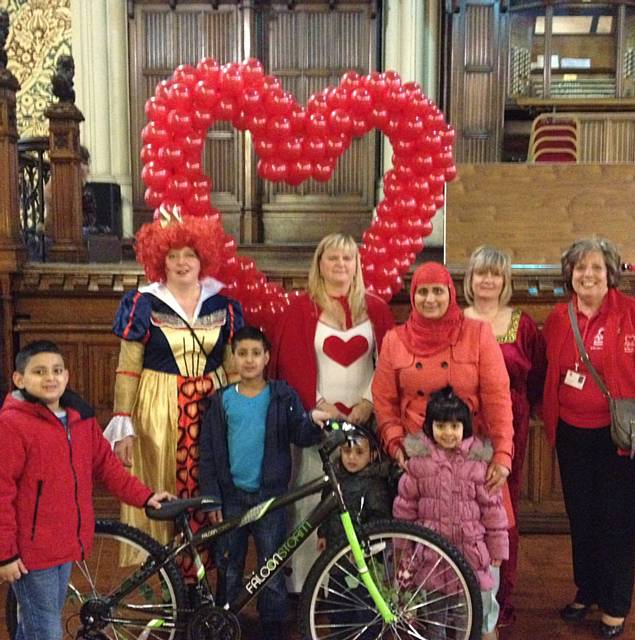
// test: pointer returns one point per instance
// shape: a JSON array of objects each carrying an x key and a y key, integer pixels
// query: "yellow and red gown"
[{"x": 166, "y": 370}]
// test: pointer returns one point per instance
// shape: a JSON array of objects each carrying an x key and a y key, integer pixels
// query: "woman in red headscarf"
[{"x": 436, "y": 347}]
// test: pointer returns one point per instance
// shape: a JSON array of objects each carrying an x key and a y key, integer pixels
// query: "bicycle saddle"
[{"x": 172, "y": 509}]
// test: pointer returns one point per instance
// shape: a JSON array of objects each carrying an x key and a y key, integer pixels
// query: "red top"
[
  {"x": 46, "y": 482},
  {"x": 612, "y": 352}
]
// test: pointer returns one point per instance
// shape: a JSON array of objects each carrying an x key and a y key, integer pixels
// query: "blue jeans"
[
  {"x": 231, "y": 549},
  {"x": 41, "y": 595}
]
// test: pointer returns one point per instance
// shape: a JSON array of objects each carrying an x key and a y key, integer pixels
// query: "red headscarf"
[{"x": 425, "y": 336}]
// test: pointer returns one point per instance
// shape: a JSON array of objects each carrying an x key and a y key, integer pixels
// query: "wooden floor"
[{"x": 544, "y": 585}]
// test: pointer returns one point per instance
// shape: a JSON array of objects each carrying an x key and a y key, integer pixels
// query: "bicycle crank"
[{"x": 213, "y": 623}]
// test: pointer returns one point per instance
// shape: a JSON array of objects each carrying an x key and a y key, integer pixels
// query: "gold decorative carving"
[{"x": 40, "y": 32}]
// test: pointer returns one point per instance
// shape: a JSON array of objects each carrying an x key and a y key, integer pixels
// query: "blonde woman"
[
  {"x": 325, "y": 347},
  {"x": 487, "y": 288}
]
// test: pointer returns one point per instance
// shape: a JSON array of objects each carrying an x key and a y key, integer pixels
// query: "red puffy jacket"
[{"x": 46, "y": 481}]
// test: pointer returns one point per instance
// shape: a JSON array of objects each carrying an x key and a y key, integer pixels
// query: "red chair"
[{"x": 554, "y": 138}]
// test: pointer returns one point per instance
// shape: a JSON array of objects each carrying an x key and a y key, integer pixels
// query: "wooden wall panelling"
[
  {"x": 535, "y": 211},
  {"x": 162, "y": 38},
  {"x": 477, "y": 79},
  {"x": 301, "y": 53}
]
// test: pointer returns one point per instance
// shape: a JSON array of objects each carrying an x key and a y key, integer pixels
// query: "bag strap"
[
  {"x": 189, "y": 326},
  {"x": 583, "y": 354}
]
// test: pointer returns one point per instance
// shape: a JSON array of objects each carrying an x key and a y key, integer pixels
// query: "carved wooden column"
[
  {"x": 11, "y": 246},
  {"x": 65, "y": 218}
]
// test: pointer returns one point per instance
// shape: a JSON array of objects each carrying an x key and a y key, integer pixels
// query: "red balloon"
[
  {"x": 273, "y": 170},
  {"x": 340, "y": 121},
  {"x": 392, "y": 79},
  {"x": 155, "y": 175},
  {"x": 317, "y": 125},
  {"x": 209, "y": 71},
  {"x": 202, "y": 119},
  {"x": 162, "y": 88},
  {"x": 205, "y": 96},
  {"x": 265, "y": 148},
  {"x": 290, "y": 149},
  {"x": 198, "y": 202},
  {"x": 361, "y": 101},
  {"x": 178, "y": 187},
  {"x": 192, "y": 167},
  {"x": 395, "y": 100},
  {"x": 232, "y": 82},
  {"x": 297, "y": 117},
  {"x": 277, "y": 102},
  {"x": 252, "y": 100},
  {"x": 336, "y": 145},
  {"x": 186, "y": 74},
  {"x": 269, "y": 83},
  {"x": 322, "y": 171},
  {"x": 411, "y": 128},
  {"x": 450, "y": 173},
  {"x": 279, "y": 128},
  {"x": 253, "y": 73},
  {"x": 360, "y": 126},
  {"x": 337, "y": 98},
  {"x": 378, "y": 117},
  {"x": 180, "y": 96},
  {"x": 318, "y": 103},
  {"x": 154, "y": 133},
  {"x": 179, "y": 121},
  {"x": 152, "y": 197},
  {"x": 156, "y": 109},
  {"x": 240, "y": 121},
  {"x": 171, "y": 154},
  {"x": 201, "y": 183},
  {"x": 350, "y": 80},
  {"x": 421, "y": 165},
  {"x": 149, "y": 152},
  {"x": 301, "y": 170},
  {"x": 225, "y": 109},
  {"x": 314, "y": 148},
  {"x": 376, "y": 83},
  {"x": 192, "y": 144}
]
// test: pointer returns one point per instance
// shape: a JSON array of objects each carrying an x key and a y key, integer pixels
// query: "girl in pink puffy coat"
[{"x": 443, "y": 489}]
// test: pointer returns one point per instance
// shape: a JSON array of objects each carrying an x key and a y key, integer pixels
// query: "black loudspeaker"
[{"x": 107, "y": 198}]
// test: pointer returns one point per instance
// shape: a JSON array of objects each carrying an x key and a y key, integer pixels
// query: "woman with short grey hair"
[{"x": 598, "y": 480}]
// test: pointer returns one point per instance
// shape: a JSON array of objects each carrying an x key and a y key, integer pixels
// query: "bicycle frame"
[{"x": 261, "y": 575}]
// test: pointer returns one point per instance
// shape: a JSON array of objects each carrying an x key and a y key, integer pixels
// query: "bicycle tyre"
[
  {"x": 163, "y": 596},
  {"x": 443, "y": 603}
]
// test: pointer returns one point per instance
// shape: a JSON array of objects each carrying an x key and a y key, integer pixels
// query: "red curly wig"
[{"x": 154, "y": 241}]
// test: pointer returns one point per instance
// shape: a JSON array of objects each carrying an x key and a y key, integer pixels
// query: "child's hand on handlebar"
[
  {"x": 158, "y": 497},
  {"x": 321, "y": 544},
  {"x": 320, "y": 417},
  {"x": 215, "y": 517}
]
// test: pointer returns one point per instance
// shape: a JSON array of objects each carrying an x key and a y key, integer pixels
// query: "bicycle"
[{"x": 356, "y": 589}]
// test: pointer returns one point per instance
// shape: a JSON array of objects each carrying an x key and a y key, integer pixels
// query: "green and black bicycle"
[{"x": 391, "y": 579}]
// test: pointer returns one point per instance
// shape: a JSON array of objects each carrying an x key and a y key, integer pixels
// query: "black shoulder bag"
[{"x": 622, "y": 409}]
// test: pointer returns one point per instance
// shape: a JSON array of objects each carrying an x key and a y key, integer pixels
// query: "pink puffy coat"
[{"x": 445, "y": 491}]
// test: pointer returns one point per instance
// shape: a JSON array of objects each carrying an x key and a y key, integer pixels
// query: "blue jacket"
[{"x": 287, "y": 423}]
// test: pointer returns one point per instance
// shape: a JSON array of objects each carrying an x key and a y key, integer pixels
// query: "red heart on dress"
[
  {"x": 345, "y": 352},
  {"x": 343, "y": 408},
  {"x": 295, "y": 144}
]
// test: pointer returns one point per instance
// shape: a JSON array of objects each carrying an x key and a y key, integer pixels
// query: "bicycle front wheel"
[
  {"x": 152, "y": 611},
  {"x": 427, "y": 583}
]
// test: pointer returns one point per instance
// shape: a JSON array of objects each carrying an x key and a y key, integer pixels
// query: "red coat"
[
  {"x": 474, "y": 366},
  {"x": 46, "y": 481},
  {"x": 618, "y": 354},
  {"x": 293, "y": 355}
]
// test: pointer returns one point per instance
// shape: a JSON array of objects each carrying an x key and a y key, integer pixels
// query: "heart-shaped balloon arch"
[{"x": 294, "y": 144}]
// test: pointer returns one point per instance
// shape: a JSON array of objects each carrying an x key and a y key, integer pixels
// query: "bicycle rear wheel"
[
  {"x": 151, "y": 611},
  {"x": 427, "y": 583}
]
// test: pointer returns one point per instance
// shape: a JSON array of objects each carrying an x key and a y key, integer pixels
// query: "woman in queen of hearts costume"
[
  {"x": 175, "y": 334},
  {"x": 325, "y": 347}
]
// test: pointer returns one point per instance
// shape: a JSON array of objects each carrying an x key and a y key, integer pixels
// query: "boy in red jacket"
[{"x": 51, "y": 448}]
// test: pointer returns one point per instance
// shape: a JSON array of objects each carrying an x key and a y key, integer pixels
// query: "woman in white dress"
[{"x": 325, "y": 347}]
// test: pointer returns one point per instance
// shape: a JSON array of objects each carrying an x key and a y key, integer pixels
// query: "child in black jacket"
[{"x": 245, "y": 458}]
